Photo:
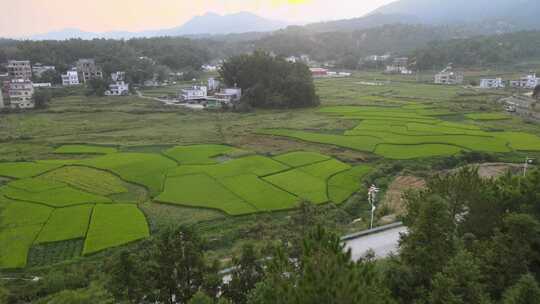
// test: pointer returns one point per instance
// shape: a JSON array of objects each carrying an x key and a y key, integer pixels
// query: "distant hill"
[
  {"x": 227, "y": 24},
  {"x": 209, "y": 24},
  {"x": 519, "y": 12},
  {"x": 370, "y": 21},
  {"x": 469, "y": 16}
]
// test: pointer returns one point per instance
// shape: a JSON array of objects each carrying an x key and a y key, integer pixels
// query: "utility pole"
[
  {"x": 372, "y": 196},
  {"x": 528, "y": 161}
]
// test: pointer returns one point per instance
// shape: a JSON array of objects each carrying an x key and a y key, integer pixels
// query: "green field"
[
  {"x": 87, "y": 179},
  {"x": 114, "y": 225},
  {"x": 84, "y": 149},
  {"x": 200, "y": 154},
  {"x": 413, "y": 131},
  {"x": 25, "y": 169},
  {"x": 66, "y": 224}
]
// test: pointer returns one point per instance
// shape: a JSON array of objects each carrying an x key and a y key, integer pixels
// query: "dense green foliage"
[{"x": 270, "y": 82}]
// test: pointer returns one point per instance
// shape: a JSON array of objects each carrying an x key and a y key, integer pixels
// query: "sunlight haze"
[{"x": 139, "y": 15}]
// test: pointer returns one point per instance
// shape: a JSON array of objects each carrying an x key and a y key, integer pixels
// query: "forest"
[{"x": 430, "y": 45}]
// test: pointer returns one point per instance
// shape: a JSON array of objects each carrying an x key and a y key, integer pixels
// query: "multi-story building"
[
  {"x": 19, "y": 69},
  {"x": 194, "y": 93},
  {"x": 213, "y": 84},
  {"x": 526, "y": 82},
  {"x": 119, "y": 87},
  {"x": 38, "y": 69},
  {"x": 88, "y": 70},
  {"x": 449, "y": 76},
  {"x": 399, "y": 66},
  {"x": 495, "y": 83},
  {"x": 71, "y": 78},
  {"x": 21, "y": 93},
  {"x": 1, "y": 99}
]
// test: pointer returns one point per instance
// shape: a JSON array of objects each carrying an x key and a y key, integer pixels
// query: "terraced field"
[
  {"x": 413, "y": 131},
  {"x": 56, "y": 201}
]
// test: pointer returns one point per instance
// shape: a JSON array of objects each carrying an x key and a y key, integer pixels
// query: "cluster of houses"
[
  {"x": 211, "y": 95},
  {"x": 530, "y": 81},
  {"x": 17, "y": 88}
]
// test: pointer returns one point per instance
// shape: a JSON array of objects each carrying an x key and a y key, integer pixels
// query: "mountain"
[
  {"x": 215, "y": 24},
  {"x": 209, "y": 24},
  {"x": 520, "y": 12}
]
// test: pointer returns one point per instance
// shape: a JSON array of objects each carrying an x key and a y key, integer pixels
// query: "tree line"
[{"x": 469, "y": 240}]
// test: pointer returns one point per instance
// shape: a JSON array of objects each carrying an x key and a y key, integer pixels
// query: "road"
[{"x": 383, "y": 243}]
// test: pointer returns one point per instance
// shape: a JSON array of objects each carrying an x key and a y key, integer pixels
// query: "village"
[{"x": 21, "y": 81}]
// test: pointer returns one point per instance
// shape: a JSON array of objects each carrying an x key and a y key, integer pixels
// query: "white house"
[
  {"x": 210, "y": 68},
  {"x": 119, "y": 87},
  {"x": 229, "y": 95},
  {"x": 448, "y": 76},
  {"x": 527, "y": 82},
  {"x": 194, "y": 93},
  {"x": 21, "y": 92},
  {"x": 495, "y": 83},
  {"x": 71, "y": 78}
]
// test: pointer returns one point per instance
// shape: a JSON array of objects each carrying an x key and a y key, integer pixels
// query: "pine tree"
[{"x": 526, "y": 291}]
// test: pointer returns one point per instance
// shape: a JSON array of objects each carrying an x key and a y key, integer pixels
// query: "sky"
[{"x": 27, "y": 17}]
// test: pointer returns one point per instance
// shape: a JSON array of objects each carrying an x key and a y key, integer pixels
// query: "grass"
[
  {"x": 488, "y": 116},
  {"x": 66, "y": 224},
  {"x": 36, "y": 185},
  {"x": 87, "y": 179},
  {"x": 84, "y": 149},
  {"x": 25, "y": 169},
  {"x": 200, "y": 190},
  {"x": 200, "y": 154},
  {"x": 415, "y": 151},
  {"x": 141, "y": 168},
  {"x": 300, "y": 158},
  {"x": 343, "y": 185},
  {"x": 520, "y": 141},
  {"x": 114, "y": 225},
  {"x": 359, "y": 143}
]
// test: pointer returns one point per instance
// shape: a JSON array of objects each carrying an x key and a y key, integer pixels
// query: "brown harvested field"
[{"x": 393, "y": 198}]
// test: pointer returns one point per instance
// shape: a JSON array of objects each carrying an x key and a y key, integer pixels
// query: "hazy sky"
[{"x": 25, "y": 17}]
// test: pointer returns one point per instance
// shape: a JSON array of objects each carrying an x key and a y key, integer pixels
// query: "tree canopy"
[{"x": 270, "y": 82}]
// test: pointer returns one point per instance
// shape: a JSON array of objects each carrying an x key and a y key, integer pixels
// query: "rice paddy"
[
  {"x": 413, "y": 131},
  {"x": 58, "y": 201}
]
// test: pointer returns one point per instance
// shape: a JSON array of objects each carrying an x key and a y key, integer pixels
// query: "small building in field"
[
  {"x": 526, "y": 82},
  {"x": 492, "y": 83},
  {"x": 319, "y": 72},
  {"x": 195, "y": 93},
  {"x": 19, "y": 69},
  {"x": 42, "y": 85},
  {"x": 119, "y": 87},
  {"x": 20, "y": 94},
  {"x": 449, "y": 76},
  {"x": 38, "y": 69},
  {"x": 71, "y": 78}
]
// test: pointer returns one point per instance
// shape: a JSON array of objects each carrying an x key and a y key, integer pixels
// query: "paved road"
[{"x": 383, "y": 243}]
